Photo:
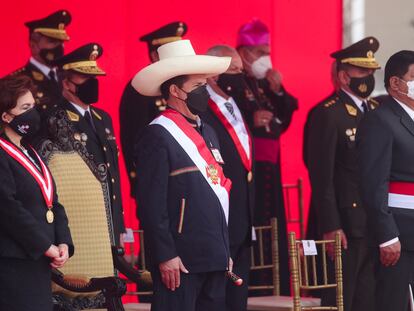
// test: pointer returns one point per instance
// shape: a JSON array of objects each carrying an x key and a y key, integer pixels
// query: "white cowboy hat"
[{"x": 176, "y": 59}]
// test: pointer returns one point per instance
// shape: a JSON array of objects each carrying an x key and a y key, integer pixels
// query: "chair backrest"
[
  {"x": 293, "y": 193},
  {"x": 305, "y": 275},
  {"x": 82, "y": 189},
  {"x": 258, "y": 256}
]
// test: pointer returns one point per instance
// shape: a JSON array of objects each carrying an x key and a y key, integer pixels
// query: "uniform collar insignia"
[
  {"x": 96, "y": 115},
  {"x": 351, "y": 110},
  {"x": 38, "y": 76},
  {"x": 72, "y": 116}
]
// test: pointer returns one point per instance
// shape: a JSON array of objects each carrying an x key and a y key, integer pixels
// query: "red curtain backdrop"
[{"x": 303, "y": 33}]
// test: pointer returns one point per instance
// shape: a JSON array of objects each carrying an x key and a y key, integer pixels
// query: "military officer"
[
  {"x": 80, "y": 88},
  {"x": 137, "y": 111},
  {"x": 331, "y": 159},
  {"x": 46, "y": 40}
]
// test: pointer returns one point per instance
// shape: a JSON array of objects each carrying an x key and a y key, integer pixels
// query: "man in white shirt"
[
  {"x": 386, "y": 151},
  {"x": 225, "y": 117},
  {"x": 46, "y": 40},
  {"x": 331, "y": 157}
]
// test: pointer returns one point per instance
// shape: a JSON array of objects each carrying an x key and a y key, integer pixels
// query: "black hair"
[
  {"x": 397, "y": 65},
  {"x": 178, "y": 81}
]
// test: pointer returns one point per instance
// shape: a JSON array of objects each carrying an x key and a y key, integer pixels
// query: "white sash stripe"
[
  {"x": 400, "y": 200},
  {"x": 31, "y": 167},
  {"x": 191, "y": 149}
]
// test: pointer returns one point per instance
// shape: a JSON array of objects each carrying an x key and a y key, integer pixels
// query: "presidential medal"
[
  {"x": 249, "y": 176},
  {"x": 212, "y": 173},
  {"x": 50, "y": 217}
]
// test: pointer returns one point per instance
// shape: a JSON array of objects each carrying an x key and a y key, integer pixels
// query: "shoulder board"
[
  {"x": 351, "y": 110},
  {"x": 37, "y": 75},
  {"x": 330, "y": 102},
  {"x": 18, "y": 71},
  {"x": 72, "y": 116},
  {"x": 96, "y": 115}
]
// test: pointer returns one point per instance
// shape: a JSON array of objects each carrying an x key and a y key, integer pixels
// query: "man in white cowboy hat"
[{"x": 182, "y": 192}]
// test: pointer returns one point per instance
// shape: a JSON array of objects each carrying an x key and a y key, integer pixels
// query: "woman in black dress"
[{"x": 34, "y": 232}]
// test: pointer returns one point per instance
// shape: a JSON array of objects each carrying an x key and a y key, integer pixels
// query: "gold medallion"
[
  {"x": 50, "y": 217},
  {"x": 212, "y": 173},
  {"x": 249, "y": 176}
]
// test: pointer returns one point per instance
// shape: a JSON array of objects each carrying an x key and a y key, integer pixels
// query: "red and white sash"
[
  {"x": 44, "y": 180},
  {"x": 195, "y": 147},
  {"x": 237, "y": 131},
  {"x": 401, "y": 194}
]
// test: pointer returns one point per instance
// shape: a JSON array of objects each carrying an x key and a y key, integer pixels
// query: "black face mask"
[
  {"x": 362, "y": 87},
  {"x": 88, "y": 91},
  {"x": 232, "y": 84},
  {"x": 50, "y": 55},
  {"x": 197, "y": 99},
  {"x": 27, "y": 123}
]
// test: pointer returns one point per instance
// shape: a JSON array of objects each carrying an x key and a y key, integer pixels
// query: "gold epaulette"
[
  {"x": 330, "y": 102},
  {"x": 373, "y": 103}
]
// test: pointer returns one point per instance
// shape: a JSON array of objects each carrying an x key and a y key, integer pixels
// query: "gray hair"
[{"x": 218, "y": 50}]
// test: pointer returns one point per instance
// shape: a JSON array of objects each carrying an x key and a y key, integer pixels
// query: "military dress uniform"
[
  {"x": 44, "y": 77},
  {"x": 331, "y": 157},
  {"x": 94, "y": 128},
  {"x": 136, "y": 111}
]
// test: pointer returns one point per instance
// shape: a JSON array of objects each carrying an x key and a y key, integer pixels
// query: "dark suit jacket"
[
  {"x": 165, "y": 176},
  {"x": 386, "y": 153},
  {"x": 242, "y": 191},
  {"x": 332, "y": 164},
  {"x": 136, "y": 111},
  {"x": 24, "y": 231},
  {"x": 102, "y": 146}
]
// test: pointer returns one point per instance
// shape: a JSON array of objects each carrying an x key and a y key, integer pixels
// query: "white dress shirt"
[
  {"x": 43, "y": 68},
  {"x": 356, "y": 100}
]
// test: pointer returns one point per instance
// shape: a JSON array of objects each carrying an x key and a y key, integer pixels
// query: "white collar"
[
  {"x": 356, "y": 100},
  {"x": 407, "y": 109},
  {"x": 80, "y": 109},
  {"x": 218, "y": 99},
  {"x": 42, "y": 67}
]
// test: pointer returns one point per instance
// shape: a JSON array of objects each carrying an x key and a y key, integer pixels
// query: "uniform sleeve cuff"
[{"x": 390, "y": 242}]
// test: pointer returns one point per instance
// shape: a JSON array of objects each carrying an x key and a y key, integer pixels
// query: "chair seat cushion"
[{"x": 278, "y": 303}]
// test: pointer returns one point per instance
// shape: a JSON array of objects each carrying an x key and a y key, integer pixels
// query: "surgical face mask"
[
  {"x": 88, "y": 91},
  {"x": 410, "y": 91},
  {"x": 197, "y": 99},
  {"x": 27, "y": 123},
  {"x": 50, "y": 55},
  {"x": 261, "y": 66},
  {"x": 362, "y": 87}
]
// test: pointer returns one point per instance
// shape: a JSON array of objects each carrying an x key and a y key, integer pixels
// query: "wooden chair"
[
  {"x": 89, "y": 279},
  {"x": 274, "y": 302},
  {"x": 304, "y": 272},
  {"x": 145, "y": 288},
  {"x": 291, "y": 198}
]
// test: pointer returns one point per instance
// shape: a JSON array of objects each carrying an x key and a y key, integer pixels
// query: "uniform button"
[
  {"x": 113, "y": 180},
  {"x": 108, "y": 165},
  {"x": 354, "y": 205},
  {"x": 104, "y": 148},
  {"x": 114, "y": 197}
]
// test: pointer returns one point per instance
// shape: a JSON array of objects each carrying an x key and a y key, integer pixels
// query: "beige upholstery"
[
  {"x": 278, "y": 303},
  {"x": 138, "y": 307},
  {"x": 82, "y": 196}
]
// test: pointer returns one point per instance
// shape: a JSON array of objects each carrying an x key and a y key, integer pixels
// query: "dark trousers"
[
  {"x": 392, "y": 283},
  {"x": 197, "y": 292},
  {"x": 236, "y": 296},
  {"x": 358, "y": 278}
]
